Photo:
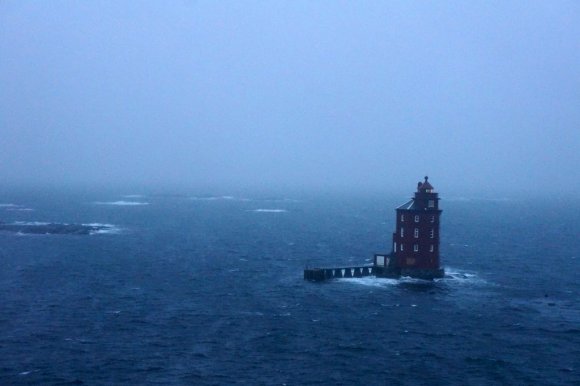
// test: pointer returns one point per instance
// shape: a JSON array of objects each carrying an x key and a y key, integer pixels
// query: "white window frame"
[
  {"x": 416, "y": 218},
  {"x": 433, "y": 218},
  {"x": 402, "y": 218},
  {"x": 402, "y": 232},
  {"x": 416, "y": 247},
  {"x": 432, "y": 233},
  {"x": 416, "y": 233},
  {"x": 431, "y": 204},
  {"x": 431, "y": 248},
  {"x": 402, "y": 249}
]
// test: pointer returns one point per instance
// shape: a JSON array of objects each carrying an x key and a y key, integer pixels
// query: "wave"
[
  {"x": 268, "y": 210},
  {"x": 133, "y": 196},
  {"x": 458, "y": 276},
  {"x": 101, "y": 228},
  {"x": 122, "y": 203},
  {"x": 32, "y": 223},
  {"x": 15, "y": 208},
  {"x": 370, "y": 281},
  {"x": 452, "y": 276}
]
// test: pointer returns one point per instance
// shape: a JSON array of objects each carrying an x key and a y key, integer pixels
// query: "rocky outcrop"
[{"x": 52, "y": 228}]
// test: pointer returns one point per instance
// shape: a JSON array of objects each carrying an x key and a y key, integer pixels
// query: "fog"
[{"x": 360, "y": 95}]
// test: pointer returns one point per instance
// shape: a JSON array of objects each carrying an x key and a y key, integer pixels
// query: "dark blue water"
[{"x": 210, "y": 292}]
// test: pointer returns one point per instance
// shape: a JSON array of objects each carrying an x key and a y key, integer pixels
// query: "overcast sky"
[{"x": 291, "y": 94}]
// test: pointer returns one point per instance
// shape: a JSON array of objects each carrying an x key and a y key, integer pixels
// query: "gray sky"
[{"x": 303, "y": 95}]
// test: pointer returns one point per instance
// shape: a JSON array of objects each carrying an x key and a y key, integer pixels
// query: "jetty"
[{"x": 321, "y": 274}]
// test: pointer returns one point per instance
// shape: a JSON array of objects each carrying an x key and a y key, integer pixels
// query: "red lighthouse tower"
[{"x": 416, "y": 238}]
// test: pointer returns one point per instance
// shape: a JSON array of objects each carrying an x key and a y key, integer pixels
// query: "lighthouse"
[{"x": 415, "y": 245}]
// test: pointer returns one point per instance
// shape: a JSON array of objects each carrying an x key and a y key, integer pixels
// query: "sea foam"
[
  {"x": 457, "y": 276},
  {"x": 32, "y": 223},
  {"x": 370, "y": 281},
  {"x": 103, "y": 228},
  {"x": 452, "y": 276},
  {"x": 122, "y": 203}
]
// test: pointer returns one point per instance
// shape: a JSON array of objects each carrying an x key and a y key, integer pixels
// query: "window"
[
  {"x": 431, "y": 204},
  {"x": 402, "y": 218},
  {"x": 432, "y": 233},
  {"x": 433, "y": 218},
  {"x": 410, "y": 261},
  {"x": 416, "y": 218},
  {"x": 431, "y": 248},
  {"x": 395, "y": 247},
  {"x": 416, "y": 234},
  {"x": 402, "y": 232},
  {"x": 401, "y": 246},
  {"x": 416, "y": 247}
]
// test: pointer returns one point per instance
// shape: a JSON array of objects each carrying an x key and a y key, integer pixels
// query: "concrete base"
[{"x": 395, "y": 273}]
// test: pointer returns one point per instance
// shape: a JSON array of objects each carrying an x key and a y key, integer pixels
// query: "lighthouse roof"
[
  {"x": 407, "y": 205},
  {"x": 425, "y": 185}
]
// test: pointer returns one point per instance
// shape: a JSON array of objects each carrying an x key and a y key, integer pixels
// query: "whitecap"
[
  {"x": 99, "y": 224},
  {"x": 103, "y": 228},
  {"x": 414, "y": 280},
  {"x": 133, "y": 196},
  {"x": 8, "y": 205},
  {"x": 105, "y": 231},
  {"x": 461, "y": 277},
  {"x": 370, "y": 281},
  {"x": 122, "y": 203},
  {"x": 17, "y": 209}
]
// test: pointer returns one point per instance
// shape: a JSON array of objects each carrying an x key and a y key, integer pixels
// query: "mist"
[{"x": 480, "y": 96}]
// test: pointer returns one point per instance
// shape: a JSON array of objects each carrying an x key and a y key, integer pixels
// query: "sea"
[{"x": 208, "y": 289}]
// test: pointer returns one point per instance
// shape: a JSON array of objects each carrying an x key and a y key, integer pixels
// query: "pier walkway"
[{"x": 322, "y": 274}]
